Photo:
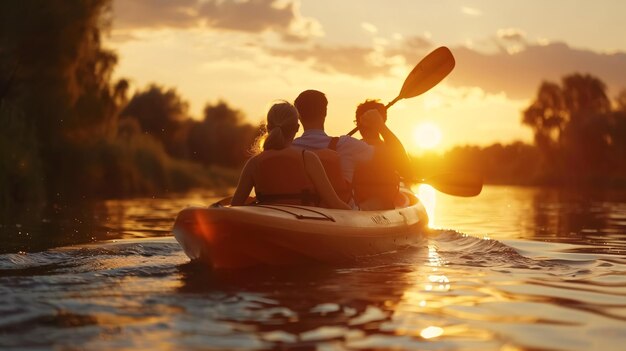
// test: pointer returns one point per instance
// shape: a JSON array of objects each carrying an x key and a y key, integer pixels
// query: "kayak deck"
[{"x": 243, "y": 236}]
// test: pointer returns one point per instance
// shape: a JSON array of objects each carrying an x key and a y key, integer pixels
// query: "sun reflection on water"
[
  {"x": 429, "y": 296},
  {"x": 431, "y": 332},
  {"x": 434, "y": 260},
  {"x": 428, "y": 196}
]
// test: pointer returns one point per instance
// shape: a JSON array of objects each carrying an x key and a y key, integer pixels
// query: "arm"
[
  {"x": 317, "y": 174},
  {"x": 394, "y": 149},
  {"x": 244, "y": 187},
  {"x": 398, "y": 153}
]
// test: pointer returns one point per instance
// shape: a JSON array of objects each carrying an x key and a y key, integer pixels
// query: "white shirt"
[{"x": 351, "y": 151}]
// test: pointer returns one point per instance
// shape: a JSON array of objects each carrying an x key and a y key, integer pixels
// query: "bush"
[{"x": 21, "y": 179}]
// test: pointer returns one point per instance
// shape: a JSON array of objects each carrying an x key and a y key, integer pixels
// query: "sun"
[{"x": 427, "y": 135}]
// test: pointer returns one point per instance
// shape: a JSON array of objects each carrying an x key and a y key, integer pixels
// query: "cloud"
[
  {"x": 508, "y": 62},
  {"x": 248, "y": 16},
  {"x": 520, "y": 74},
  {"x": 134, "y": 14},
  {"x": 411, "y": 47},
  {"x": 368, "y": 27},
  {"x": 352, "y": 60},
  {"x": 516, "y": 68},
  {"x": 252, "y": 16},
  {"x": 470, "y": 11},
  {"x": 512, "y": 34},
  {"x": 361, "y": 61}
]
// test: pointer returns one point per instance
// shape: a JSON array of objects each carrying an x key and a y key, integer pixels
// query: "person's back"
[
  {"x": 282, "y": 173},
  {"x": 281, "y": 177},
  {"x": 376, "y": 182},
  {"x": 312, "y": 108}
]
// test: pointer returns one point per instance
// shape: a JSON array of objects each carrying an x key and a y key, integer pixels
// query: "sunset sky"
[{"x": 251, "y": 53}]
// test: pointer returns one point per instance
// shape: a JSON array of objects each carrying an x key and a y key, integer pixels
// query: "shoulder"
[
  {"x": 312, "y": 140},
  {"x": 310, "y": 156},
  {"x": 309, "y": 153},
  {"x": 254, "y": 160},
  {"x": 346, "y": 141},
  {"x": 350, "y": 139},
  {"x": 355, "y": 149}
]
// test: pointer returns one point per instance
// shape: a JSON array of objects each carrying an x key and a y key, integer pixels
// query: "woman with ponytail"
[{"x": 285, "y": 174}]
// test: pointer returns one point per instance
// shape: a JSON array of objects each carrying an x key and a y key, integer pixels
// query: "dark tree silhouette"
[
  {"x": 64, "y": 72},
  {"x": 585, "y": 147},
  {"x": 576, "y": 130},
  {"x": 59, "y": 112},
  {"x": 160, "y": 113},
  {"x": 222, "y": 137},
  {"x": 547, "y": 116},
  {"x": 60, "y": 96},
  {"x": 585, "y": 95},
  {"x": 620, "y": 100}
]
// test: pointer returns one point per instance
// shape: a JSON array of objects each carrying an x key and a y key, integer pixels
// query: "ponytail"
[
  {"x": 282, "y": 125},
  {"x": 275, "y": 139}
]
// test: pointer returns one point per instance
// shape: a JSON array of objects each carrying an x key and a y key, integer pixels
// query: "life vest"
[
  {"x": 281, "y": 178},
  {"x": 375, "y": 185},
  {"x": 332, "y": 165}
]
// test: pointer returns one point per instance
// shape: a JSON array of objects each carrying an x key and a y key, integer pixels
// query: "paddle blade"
[
  {"x": 457, "y": 184},
  {"x": 429, "y": 72}
]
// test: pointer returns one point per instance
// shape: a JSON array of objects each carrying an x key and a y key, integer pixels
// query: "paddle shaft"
[{"x": 464, "y": 184}]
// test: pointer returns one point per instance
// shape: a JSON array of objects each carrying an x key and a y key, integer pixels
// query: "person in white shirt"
[{"x": 312, "y": 107}]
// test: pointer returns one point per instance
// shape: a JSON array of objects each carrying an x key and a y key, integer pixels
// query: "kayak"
[{"x": 228, "y": 237}]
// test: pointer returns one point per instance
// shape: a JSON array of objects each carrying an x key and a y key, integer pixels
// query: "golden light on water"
[
  {"x": 431, "y": 332},
  {"x": 439, "y": 282},
  {"x": 434, "y": 260},
  {"x": 428, "y": 196}
]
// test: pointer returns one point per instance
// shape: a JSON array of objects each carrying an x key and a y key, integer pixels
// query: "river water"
[{"x": 512, "y": 269}]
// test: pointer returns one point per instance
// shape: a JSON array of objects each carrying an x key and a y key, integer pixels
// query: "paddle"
[
  {"x": 431, "y": 70},
  {"x": 456, "y": 184}
]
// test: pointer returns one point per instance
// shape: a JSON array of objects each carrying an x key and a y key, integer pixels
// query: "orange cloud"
[
  {"x": 361, "y": 61},
  {"x": 134, "y": 14},
  {"x": 248, "y": 16},
  {"x": 520, "y": 74},
  {"x": 351, "y": 60},
  {"x": 253, "y": 16},
  {"x": 512, "y": 34},
  {"x": 517, "y": 68}
]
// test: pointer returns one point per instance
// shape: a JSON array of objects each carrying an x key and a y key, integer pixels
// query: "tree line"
[{"x": 69, "y": 131}]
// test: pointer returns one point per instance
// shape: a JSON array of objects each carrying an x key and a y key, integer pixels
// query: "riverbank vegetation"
[{"x": 68, "y": 131}]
